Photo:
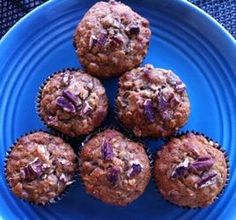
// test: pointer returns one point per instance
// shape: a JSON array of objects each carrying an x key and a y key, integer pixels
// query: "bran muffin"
[
  {"x": 152, "y": 102},
  {"x": 113, "y": 168},
  {"x": 111, "y": 39},
  {"x": 40, "y": 167},
  {"x": 190, "y": 171},
  {"x": 73, "y": 102}
]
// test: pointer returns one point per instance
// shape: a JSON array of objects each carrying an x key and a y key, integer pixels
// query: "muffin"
[
  {"x": 73, "y": 102},
  {"x": 40, "y": 167},
  {"x": 111, "y": 39},
  {"x": 190, "y": 171},
  {"x": 152, "y": 102},
  {"x": 113, "y": 168}
]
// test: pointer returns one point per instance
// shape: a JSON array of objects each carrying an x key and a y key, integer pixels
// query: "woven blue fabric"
[
  {"x": 223, "y": 11},
  {"x": 12, "y": 10}
]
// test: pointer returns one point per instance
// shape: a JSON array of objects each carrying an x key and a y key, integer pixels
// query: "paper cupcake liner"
[
  {"x": 99, "y": 130},
  {"x": 217, "y": 146},
  {"x": 58, "y": 197}
]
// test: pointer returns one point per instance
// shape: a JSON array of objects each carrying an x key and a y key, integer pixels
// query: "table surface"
[{"x": 224, "y": 11}]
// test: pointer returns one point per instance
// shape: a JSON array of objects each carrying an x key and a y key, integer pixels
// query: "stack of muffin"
[{"x": 110, "y": 41}]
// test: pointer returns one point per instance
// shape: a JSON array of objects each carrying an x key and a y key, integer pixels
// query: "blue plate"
[{"x": 184, "y": 39}]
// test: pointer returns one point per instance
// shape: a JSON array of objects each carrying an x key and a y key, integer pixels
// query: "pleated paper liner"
[
  {"x": 217, "y": 146},
  {"x": 51, "y": 201},
  {"x": 98, "y": 131}
]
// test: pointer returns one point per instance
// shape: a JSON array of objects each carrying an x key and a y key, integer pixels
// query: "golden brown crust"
[
  {"x": 111, "y": 39},
  {"x": 152, "y": 102},
  {"x": 190, "y": 188},
  {"x": 111, "y": 177},
  {"x": 84, "y": 111},
  {"x": 39, "y": 167}
]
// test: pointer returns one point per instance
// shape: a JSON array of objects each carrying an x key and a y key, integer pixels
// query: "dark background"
[{"x": 223, "y": 11}]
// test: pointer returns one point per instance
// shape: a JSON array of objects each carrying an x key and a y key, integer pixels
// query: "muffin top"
[
  {"x": 190, "y": 171},
  {"x": 111, "y": 39},
  {"x": 113, "y": 168},
  {"x": 152, "y": 102},
  {"x": 73, "y": 102},
  {"x": 39, "y": 167}
]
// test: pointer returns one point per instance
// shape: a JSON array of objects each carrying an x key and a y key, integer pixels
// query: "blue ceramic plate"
[{"x": 184, "y": 39}]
